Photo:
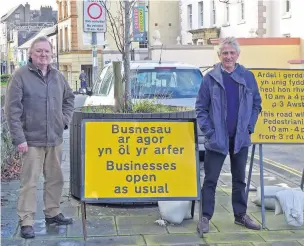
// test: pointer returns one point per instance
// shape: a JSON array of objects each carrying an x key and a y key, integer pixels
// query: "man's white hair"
[
  {"x": 232, "y": 41},
  {"x": 37, "y": 40}
]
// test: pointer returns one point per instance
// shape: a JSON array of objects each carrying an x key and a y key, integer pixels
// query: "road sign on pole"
[{"x": 94, "y": 16}]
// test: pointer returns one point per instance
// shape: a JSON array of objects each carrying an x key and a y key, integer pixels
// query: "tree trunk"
[
  {"x": 118, "y": 88},
  {"x": 126, "y": 60}
]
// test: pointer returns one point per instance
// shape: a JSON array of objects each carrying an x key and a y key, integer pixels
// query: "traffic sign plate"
[{"x": 94, "y": 16}]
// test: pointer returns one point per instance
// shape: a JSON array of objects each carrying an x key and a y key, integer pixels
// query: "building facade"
[
  {"x": 203, "y": 19},
  {"x": 18, "y": 25},
  {"x": 162, "y": 24}
]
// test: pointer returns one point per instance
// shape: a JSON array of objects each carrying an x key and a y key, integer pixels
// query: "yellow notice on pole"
[
  {"x": 146, "y": 160},
  {"x": 282, "y": 117}
]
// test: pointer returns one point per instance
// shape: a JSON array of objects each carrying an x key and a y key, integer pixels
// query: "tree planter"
[{"x": 75, "y": 135}]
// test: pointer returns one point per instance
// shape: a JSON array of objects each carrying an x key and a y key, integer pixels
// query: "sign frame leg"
[
  {"x": 302, "y": 181},
  {"x": 84, "y": 217},
  {"x": 262, "y": 184},
  {"x": 250, "y": 172},
  {"x": 193, "y": 208}
]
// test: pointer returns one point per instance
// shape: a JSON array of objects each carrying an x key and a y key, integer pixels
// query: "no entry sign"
[{"x": 94, "y": 16}]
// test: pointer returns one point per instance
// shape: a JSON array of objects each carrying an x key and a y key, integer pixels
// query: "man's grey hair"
[
  {"x": 40, "y": 39},
  {"x": 232, "y": 41}
]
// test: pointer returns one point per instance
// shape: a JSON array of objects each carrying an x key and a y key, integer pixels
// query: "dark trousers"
[{"x": 213, "y": 165}]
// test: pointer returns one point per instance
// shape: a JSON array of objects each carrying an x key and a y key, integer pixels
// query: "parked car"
[{"x": 172, "y": 83}]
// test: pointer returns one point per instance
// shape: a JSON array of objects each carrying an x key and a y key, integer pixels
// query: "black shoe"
[
  {"x": 59, "y": 220},
  {"x": 27, "y": 232},
  {"x": 247, "y": 222},
  {"x": 203, "y": 226}
]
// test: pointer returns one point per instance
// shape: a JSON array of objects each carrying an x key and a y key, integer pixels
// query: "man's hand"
[{"x": 23, "y": 147}]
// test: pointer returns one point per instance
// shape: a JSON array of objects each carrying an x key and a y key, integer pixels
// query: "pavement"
[{"x": 125, "y": 225}]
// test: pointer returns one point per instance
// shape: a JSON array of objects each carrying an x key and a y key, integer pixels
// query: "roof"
[
  {"x": 11, "y": 11},
  {"x": 44, "y": 32}
]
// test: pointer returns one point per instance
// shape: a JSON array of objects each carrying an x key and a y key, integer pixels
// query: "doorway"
[{"x": 88, "y": 71}]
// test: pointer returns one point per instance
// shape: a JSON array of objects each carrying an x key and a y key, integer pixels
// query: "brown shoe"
[
  {"x": 27, "y": 232},
  {"x": 59, "y": 220},
  {"x": 203, "y": 226},
  {"x": 247, "y": 222}
]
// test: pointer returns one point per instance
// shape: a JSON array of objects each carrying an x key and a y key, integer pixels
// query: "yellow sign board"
[
  {"x": 144, "y": 160},
  {"x": 282, "y": 116}
]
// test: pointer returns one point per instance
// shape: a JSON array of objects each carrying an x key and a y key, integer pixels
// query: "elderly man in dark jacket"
[
  {"x": 227, "y": 106},
  {"x": 39, "y": 106}
]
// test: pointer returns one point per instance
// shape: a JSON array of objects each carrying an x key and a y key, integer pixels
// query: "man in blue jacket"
[{"x": 227, "y": 107}]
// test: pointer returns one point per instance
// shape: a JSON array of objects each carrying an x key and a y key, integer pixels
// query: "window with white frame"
[
  {"x": 227, "y": 13},
  {"x": 286, "y": 9},
  {"x": 242, "y": 10},
  {"x": 213, "y": 13},
  {"x": 189, "y": 9},
  {"x": 201, "y": 13}
]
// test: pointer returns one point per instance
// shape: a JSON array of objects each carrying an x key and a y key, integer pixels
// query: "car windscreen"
[{"x": 165, "y": 83}]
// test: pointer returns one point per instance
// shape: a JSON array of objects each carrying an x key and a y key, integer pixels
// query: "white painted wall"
[
  {"x": 292, "y": 23},
  {"x": 200, "y": 56},
  {"x": 278, "y": 22}
]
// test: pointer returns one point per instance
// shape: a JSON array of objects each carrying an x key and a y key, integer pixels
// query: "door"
[{"x": 88, "y": 71}]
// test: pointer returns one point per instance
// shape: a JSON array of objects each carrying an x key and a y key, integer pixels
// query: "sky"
[{"x": 6, "y": 5}]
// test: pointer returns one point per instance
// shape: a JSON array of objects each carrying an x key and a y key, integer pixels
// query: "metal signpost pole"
[
  {"x": 94, "y": 21},
  {"x": 94, "y": 53}
]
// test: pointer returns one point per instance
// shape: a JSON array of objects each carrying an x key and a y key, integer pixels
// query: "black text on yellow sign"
[
  {"x": 282, "y": 117},
  {"x": 140, "y": 160}
]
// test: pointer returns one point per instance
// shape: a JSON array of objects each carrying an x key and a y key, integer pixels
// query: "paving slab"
[
  {"x": 100, "y": 241},
  {"x": 129, "y": 225},
  {"x": 12, "y": 242},
  {"x": 274, "y": 222},
  {"x": 9, "y": 214},
  {"x": 55, "y": 242},
  {"x": 11, "y": 186},
  {"x": 232, "y": 244},
  {"x": 46, "y": 231},
  {"x": 104, "y": 226},
  {"x": 290, "y": 243},
  {"x": 187, "y": 226},
  {"x": 301, "y": 242},
  {"x": 8, "y": 228},
  {"x": 174, "y": 239},
  {"x": 227, "y": 224},
  {"x": 116, "y": 241},
  {"x": 66, "y": 211},
  {"x": 232, "y": 237},
  {"x": 94, "y": 211},
  {"x": 281, "y": 235}
]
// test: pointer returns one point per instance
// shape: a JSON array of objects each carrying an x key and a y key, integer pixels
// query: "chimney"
[
  {"x": 46, "y": 12},
  {"x": 27, "y": 12}
]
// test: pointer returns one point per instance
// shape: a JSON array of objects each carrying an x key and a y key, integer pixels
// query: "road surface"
[{"x": 287, "y": 160}]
